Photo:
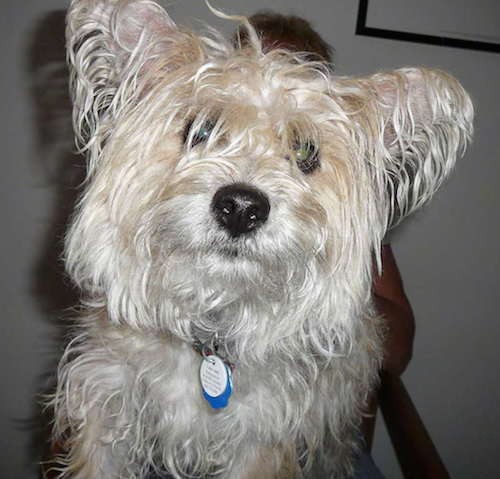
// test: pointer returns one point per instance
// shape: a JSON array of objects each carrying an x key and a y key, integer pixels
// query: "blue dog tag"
[{"x": 216, "y": 381}]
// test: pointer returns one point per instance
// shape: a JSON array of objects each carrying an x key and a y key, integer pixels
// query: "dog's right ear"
[{"x": 112, "y": 45}]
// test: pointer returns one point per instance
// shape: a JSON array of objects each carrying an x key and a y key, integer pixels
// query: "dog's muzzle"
[{"x": 240, "y": 208}]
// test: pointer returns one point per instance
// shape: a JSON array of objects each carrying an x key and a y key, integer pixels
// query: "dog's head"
[{"x": 221, "y": 176}]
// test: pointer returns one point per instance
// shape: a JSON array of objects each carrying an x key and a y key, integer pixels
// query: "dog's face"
[{"x": 225, "y": 179}]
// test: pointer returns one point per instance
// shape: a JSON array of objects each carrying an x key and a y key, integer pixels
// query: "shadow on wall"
[{"x": 64, "y": 172}]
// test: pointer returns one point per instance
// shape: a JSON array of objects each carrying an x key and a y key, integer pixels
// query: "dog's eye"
[
  {"x": 201, "y": 135},
  {"x": 306, "y": 156}
]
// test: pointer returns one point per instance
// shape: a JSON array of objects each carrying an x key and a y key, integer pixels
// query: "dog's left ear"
[
  {"x": 112, "y": 46},
  {"x": 423, "y": 123}
]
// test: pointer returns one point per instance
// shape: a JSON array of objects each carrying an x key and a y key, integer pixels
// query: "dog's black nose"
[{"x": 240, "y": 208}]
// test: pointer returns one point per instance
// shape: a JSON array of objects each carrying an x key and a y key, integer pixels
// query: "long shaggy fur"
[{"x": 290, "y": 303}]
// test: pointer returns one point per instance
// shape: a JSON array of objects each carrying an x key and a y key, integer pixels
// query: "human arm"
[{"x": 391, "y": 301}]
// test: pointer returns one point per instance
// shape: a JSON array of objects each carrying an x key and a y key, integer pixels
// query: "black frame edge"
[{"x": 363, "y": 29}]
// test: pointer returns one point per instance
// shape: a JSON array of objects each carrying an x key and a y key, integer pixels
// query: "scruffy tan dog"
[{"x": 224, "y": 243}]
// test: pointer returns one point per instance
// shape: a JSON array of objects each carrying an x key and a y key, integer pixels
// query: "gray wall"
[{"x": 448, "y": 253}]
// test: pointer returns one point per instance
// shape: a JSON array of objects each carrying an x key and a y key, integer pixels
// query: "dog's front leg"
[
  {"x": 91, "y": 456},
  {"x": 266, "y": 462},
  {"x": 95, "y": 417},
  {"x": 99, "y": 447}
]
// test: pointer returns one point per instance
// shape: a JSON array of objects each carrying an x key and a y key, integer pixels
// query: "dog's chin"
[
  {"x": 230, "y": 248},
  {"x": 230, "y": 251},
  {"x": 234, "y": 252}
]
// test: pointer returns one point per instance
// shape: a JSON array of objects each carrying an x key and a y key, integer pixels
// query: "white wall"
[{"x": 448, "y": 254}]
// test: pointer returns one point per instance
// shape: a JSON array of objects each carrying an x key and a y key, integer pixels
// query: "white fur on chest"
[{"x": 145, "y": 392}]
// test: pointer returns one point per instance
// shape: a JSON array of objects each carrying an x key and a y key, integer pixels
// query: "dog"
[{"x": 234, "y": 205}]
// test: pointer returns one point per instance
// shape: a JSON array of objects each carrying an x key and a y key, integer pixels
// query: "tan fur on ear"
[
  {"x": 428, "y": 123},
  {"x": 141, "y": 22},
  {"x": 424, "y": 121},
  {"x": 116, "y": 50}
]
